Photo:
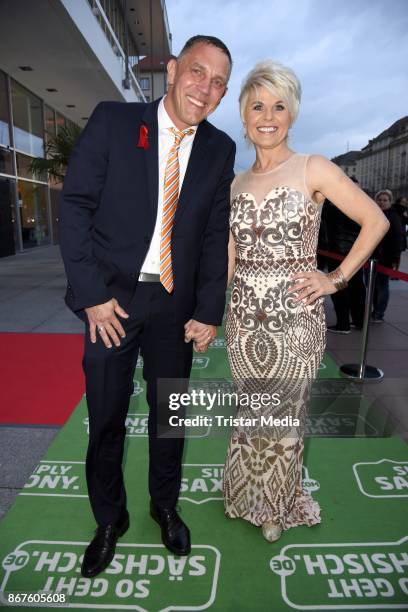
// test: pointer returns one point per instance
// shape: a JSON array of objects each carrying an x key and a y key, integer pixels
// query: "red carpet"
[{"x": 41, "y": 377}]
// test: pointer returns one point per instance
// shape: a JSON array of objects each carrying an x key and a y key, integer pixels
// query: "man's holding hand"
[{"x": 201, "y": 333}]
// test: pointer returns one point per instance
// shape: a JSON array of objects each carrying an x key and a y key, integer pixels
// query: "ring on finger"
[{"x": 101, "y": 328}]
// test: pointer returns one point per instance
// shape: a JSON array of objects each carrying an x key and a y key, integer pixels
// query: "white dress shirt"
[{"x": 151, "y": 263}]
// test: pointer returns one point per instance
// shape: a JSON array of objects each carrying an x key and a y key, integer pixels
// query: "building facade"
[
  {"x": 57, "y": 61},
  {"x": 382, "y": 163},
  {"x": 28, "y": 203},
  {"x": 348, "y": 163},
  {"x": 153, "y": 77}
]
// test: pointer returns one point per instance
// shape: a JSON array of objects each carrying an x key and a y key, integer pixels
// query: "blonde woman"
[{"x": 275, "y": 328}]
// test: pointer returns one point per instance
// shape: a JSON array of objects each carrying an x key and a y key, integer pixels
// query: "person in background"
[
  {"x": 401, "y": 206},
  {"x": 387, "y": 253},
  {"x": 341, "y": 234}
]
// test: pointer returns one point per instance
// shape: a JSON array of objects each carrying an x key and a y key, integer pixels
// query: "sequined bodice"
[{"x": 278, "y": 232}]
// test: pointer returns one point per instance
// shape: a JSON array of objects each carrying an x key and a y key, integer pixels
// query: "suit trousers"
[{"x": 151, "y": 329}]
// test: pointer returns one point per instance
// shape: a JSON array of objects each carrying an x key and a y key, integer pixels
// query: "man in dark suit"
[{"x": 144, "y": 234}]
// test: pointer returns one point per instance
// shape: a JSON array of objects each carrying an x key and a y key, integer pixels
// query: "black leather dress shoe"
[
  {"x": 101, "y": 550},
  {"x": 175, "y": 534}
]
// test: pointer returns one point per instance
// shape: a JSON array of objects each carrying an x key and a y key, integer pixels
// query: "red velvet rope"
[{"x": 383, "y": 269}]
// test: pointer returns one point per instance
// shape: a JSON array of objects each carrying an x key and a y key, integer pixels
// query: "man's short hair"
[{"x": 207, "y": 40}]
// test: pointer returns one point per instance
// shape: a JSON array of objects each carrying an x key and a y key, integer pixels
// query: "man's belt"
[{"x": 146, "y": 277}]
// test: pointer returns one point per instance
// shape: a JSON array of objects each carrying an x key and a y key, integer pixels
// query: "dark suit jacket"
[{"x": 109, "y": 208}]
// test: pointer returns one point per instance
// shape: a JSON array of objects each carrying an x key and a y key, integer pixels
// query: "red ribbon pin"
[{"x": 143, "y": 137}]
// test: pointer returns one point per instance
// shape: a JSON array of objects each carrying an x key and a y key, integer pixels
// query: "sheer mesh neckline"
[
  {"x": 289, "y": 175},
  {"x": 275, "y": 168}
]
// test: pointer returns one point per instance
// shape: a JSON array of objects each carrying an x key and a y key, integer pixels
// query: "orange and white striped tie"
[{"x": 170, "y": 201}]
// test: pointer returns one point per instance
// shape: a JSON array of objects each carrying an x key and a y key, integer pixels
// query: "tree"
[{"x": 57, "y": 152}]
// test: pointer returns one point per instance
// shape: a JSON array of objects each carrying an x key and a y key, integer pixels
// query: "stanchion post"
[{"x": 362, "y": 372}]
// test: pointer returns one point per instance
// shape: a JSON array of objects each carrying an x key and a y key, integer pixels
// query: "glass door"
[{"x": 32, "y": 204}]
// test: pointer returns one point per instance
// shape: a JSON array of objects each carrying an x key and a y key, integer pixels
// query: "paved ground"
[{"x": 32, "y": 286}]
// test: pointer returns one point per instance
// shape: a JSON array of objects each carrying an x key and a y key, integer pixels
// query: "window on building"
[
  {"x": 49, "y": 120},
  {"x": 145, "y": 83},
  {"x": 23, "y": 168},
  {"x": 50, "y": 124},
  {"x": 60, "y": 120},
  {"x": 6, "y": 161},
  {"x": 4, "y": 112},
  {"x": 28, "y": 121},
  {"x": 8, "y": 238}
]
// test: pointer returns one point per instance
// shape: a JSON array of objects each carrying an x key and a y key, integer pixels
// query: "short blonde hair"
[
  {"x": 386, "y": 192},
  {"x": 277, "y": 79}
]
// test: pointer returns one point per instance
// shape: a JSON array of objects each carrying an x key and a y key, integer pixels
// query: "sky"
[{"x": 351, "y": 57}]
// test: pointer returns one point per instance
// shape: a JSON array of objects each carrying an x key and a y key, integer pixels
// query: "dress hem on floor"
[{"x": 306, "y": 511}]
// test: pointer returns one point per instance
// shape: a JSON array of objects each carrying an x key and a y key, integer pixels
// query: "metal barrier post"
[{"x": 362, "y": 372}]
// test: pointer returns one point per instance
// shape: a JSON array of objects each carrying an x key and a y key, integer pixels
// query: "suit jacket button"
[{"x": 147, "y": 239}]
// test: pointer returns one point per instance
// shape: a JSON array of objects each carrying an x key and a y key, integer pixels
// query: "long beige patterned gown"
[{"x": 275, "y": 345}]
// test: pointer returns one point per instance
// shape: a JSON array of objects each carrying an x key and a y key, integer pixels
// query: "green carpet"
[{"x": 357, "y": 558}]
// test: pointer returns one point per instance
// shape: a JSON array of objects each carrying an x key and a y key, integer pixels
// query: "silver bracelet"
[{"x": 338, "y": 279}]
